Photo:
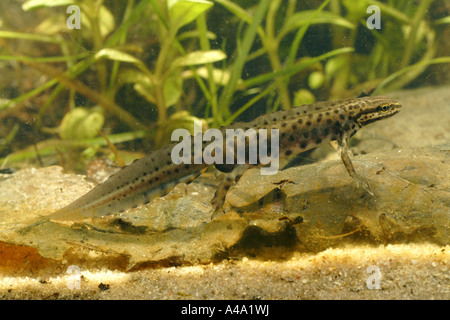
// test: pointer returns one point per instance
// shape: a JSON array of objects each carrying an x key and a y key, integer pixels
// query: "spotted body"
[{"x": 300, "y": 129}]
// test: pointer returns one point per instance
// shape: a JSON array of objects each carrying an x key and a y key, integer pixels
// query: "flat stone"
[{"x": 411, "y": 197}]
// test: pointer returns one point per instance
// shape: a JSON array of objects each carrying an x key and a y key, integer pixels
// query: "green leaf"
[
  {"x": 107, "y": 23},
  {"x": 29, "y": 36},
  {"x": 105, "y": 18},
  {"x": 117, "y": 55},
  {"x": 443, "y": 20},
  {"x": 241, "y": 14},
  {"x": 181, "y": 12},
  {"x": 81, "y": 123},
  {"x": 199, "y": 57},
  {"x": 195, "y": 34},
  {"x": 334, "y": 66},
  {"x": 220, "y": 76},
  {"x": 302, "y": 97},
  {"x": 4, "y": 103},
  {"x": 316, "y": 79},
  {"x": 391, "y": 11},
  {"x": 236, "y": 10},
  {"x": 145, "y": 92},
  {"x": 36, "y": 4},
  {"x": 295, "y": 68},
  {"x": 172, "y": 89},
  {"x": 183, "y": 119},
  {"x": 143, "y": 85},
  {"x": 300, "y": 18},
  {"x": 356, "y": 10},
  {"x": 401, "y": 73},
  {"x": 134, "y": 76}
]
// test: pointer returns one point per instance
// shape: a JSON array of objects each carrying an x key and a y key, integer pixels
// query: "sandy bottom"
[{"x": 413, "y": 271}]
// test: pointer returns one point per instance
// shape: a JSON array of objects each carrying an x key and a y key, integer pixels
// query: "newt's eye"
[{"x": 383, "y": 108}]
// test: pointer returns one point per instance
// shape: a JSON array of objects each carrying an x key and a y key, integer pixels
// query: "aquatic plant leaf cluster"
[{"x": 152, "y": 65}]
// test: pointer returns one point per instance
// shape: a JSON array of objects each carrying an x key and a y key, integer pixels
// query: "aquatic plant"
[{"x": 155, "y": 65}]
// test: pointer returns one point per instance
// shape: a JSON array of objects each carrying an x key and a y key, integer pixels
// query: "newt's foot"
[{"x": 362, "y": 183}]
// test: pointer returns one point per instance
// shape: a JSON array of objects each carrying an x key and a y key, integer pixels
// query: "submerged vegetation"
[{"x": 136, "y": 70}]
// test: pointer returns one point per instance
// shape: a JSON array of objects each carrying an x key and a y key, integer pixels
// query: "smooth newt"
[{"x": 300, "y": 129}]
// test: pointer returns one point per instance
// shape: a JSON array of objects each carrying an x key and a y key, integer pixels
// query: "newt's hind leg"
[{"x": 230, "y": 180}]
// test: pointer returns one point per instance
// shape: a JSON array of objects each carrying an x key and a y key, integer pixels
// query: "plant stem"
[
  {"x": 415, "y": 23},
  {"x": 227, "y": 94},
  {"x": 272, "y": 45},
  {"x": 122, "y": 39},
  {"x": 204, "y": 44},
  {"x": 98, "y": 44},
  {"x": 81, "y": 88}
]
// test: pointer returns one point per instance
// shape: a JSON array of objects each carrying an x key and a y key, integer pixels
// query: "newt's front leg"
[{"x": 345, "y": 157}]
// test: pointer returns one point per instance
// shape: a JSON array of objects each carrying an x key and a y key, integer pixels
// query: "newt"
[{"x": 300, "y": 129}]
